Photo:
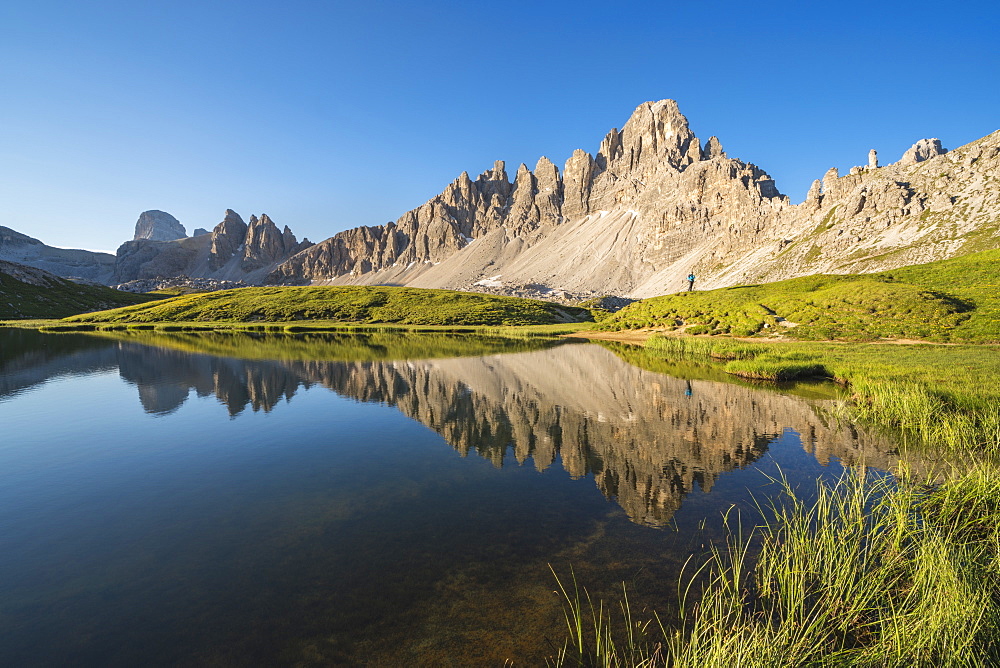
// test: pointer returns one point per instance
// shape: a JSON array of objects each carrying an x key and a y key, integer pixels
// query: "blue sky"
[{"x": 328, "y": 115}]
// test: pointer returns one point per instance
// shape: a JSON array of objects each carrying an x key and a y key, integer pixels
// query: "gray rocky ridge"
[
  {"x": 29, "y": 275},
  {"x": 655, "y": 204},
  {"x": 158, "y": 226},
  {"x": 64, "y": 262}
]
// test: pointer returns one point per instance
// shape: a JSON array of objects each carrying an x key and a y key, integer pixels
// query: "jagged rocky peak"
[
  {"x": 266, "y": 244},
  {"x": 713, "y": 149},
  {"x": 158, "y": 226},
  {"x": 924, "y": 149},
  {"x": 227, "y": 237},
  {"x": 657, "y": 132},
  {"x": 632, "y": 170},
  {"x": 200, "y": 232}
]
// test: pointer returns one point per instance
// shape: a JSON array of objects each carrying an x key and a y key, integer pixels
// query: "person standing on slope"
[{"x": 690, "y": 282}]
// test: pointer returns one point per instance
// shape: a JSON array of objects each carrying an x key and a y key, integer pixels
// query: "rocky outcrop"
[
  {"x": 186, "y": 283},
  {"x": 234, "y": 251},
  {"x": 158, "y": 226},
  {"x": 227, "y": 237},
  {"x": 63, "y": 262},
  {"x": 654, "y": 204},
  {"x": 930, "y": 206},
  {"x": 266, "y": 246},
  {"x": 199, "y": 231},
  {"x": 925, "y": 149},
  {"x": 145, "y": 258}
]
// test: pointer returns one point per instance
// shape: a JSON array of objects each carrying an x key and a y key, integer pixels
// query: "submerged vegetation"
[
  {"x": 870, "y": 573},
  {"x": 956, "y": 300},
  {"x": 352, "y": 304}
]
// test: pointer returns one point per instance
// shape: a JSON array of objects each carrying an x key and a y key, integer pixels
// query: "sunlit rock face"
[
  {"x": 645, "y": 438},
  {"x": 656, "y": 203},
  {"x": 158, "y": 226}
]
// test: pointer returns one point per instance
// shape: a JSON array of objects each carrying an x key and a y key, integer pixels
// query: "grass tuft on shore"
[{"x": 870, "y": 573}]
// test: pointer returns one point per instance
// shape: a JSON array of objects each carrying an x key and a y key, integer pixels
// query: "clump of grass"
[
  {"x": 869, "y": 573},
  {"x": 777, "y": 370},
  {"x": 719, "y": 349},
  {"x": 592, "y": 638}
]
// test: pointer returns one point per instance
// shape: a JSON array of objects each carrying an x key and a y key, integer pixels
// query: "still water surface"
[{"x": 231, "y": 500}]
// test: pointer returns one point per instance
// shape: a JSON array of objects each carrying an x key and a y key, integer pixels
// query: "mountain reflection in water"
[{"x": 647, "y": 439}]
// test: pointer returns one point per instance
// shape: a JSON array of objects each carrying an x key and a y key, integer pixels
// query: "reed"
[{"x": 871, "y": 572}]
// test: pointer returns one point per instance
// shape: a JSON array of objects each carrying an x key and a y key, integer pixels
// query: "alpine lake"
[{"x": 224, "y": 499}]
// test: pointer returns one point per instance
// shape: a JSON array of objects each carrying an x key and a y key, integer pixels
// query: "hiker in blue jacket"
[{"x": 690, "y": 282}]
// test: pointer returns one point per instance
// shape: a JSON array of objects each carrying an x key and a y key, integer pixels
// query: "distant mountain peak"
[{"x": 158, "y": 226}]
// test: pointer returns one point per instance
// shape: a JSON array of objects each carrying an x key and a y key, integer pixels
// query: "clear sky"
[{"x": 328, "y": 115}]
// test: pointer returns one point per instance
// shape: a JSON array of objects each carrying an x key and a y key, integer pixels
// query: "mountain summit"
[{"x": 654, "y": 204}]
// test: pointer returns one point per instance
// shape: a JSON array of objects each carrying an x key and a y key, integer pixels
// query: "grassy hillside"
[
  {"x": 61, "y": 298},
  {"x": 956, "y": 300},
  {"x": 345, "y": 304}
]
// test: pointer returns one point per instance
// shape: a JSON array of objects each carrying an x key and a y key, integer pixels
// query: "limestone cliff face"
[
  {"x": 654, "y": 204},
  {"x": 227, "y": 237},
  {"x": 928, "y": 206},
  {"x": 266, "y": 246},
  {"x": 233, "y": 251},
  {"x": 158, "y": 226}
]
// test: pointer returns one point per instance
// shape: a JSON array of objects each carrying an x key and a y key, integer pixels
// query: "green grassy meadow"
[
  {"x": 353, "y": 304},
  {"x": 956, "y": 300}
]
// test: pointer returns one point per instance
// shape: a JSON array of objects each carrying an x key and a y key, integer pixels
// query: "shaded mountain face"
[
  {"x": 234, "y": 250},
  {"x": 65, "y": 262},
  {"x": 655, "y": 204}
]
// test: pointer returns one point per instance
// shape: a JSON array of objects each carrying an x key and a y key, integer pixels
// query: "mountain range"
[{"x": 654, "y": 204}]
